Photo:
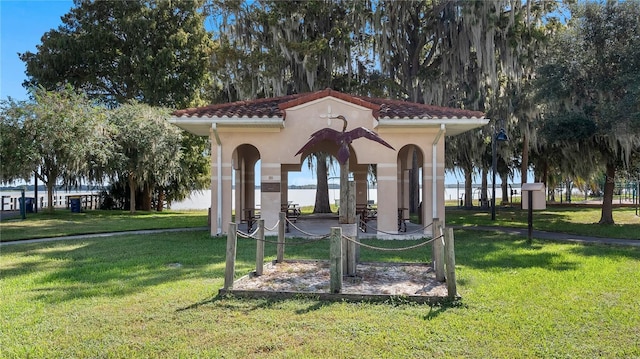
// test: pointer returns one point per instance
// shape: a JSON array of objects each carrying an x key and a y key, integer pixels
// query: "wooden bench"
[
  {"x": 292, "y": 212},
  {"x": 403, "y": 217},
  {"x": 250, "y": 217},
  {"x": 366, "y": 213}
]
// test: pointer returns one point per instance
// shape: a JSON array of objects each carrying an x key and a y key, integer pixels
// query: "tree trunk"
[
  {"x": 146, "y": 197},
  {"x": 322, "y": 187},
  {"x": 468, "y": 189},
  {"x": 160, "y": 204},
  {"x": 524, "y": 166},
  {"x": 50, "y": 196},
  {"x": 607, "y": 200},
  {"x": 132, "y": 194},
  {"x": 569, "y": 186},
  {"x": 504, "y": 186},
  {"x": 484, "y": 201}
]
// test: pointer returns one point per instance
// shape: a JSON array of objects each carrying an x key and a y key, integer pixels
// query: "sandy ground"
[{"x": 402, "y": 279}]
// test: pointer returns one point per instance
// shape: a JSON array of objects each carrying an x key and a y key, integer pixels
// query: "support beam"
[
  {"x": 260, "y": 248},
  {"x": 230, "y": 267},
  {"x": 450, "y": 261},
  {"x": 335, "y": 260},
  {"x": 282, "y": 222},
  {"x": 438, "y": 250}
]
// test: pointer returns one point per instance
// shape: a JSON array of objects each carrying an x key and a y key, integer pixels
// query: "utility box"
[{"x": 538, "y": 196}]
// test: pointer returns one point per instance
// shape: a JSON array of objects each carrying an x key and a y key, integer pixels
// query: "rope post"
[
  {"x": 349, "y": 229},
  {"x": 335, "y": 260},
  {"x": 260, "y": 248},
  {"x": 282, "y": 222},
  {"x": 232, "y": 240},
  {"x": 451, "y": 263},
  {"x": 438, "y": 250}
]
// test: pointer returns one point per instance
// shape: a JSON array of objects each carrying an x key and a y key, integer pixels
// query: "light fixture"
[{"x": 500, "y": 136}]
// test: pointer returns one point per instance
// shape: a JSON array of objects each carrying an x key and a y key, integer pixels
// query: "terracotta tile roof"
[{"x": 276, "y": 107}]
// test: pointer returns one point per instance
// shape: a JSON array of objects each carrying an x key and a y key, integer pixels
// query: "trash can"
[
  {"x": 28, "y": 204},
  {"x": 75, "y": 204}
]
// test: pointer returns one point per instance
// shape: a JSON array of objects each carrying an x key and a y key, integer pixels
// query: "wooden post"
[
  {"x": 260, "y": 247},
  {"x": 335, "y": 260},
  {"x": 281, "y": 228},
  {"x": 349, "y": 227},
  {"x": 530, "y": 217},
  {"x": 450, "y": 259},
  {"x": 435, "y": 232},
  {"x": 230, "y": 268},
  {"x": 438, "y": 250}
]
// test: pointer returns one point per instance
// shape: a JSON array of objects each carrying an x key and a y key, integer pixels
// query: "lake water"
[
  {"x": 202, "y": 199},
  {"x": 303, "y": 197}
]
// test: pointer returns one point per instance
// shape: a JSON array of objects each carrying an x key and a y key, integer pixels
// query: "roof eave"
[
  {"x": 454, "y": 126},
  {"x": 201, "y": 125}
]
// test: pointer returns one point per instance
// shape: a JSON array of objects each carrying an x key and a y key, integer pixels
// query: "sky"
[{"x": 22, "y": 24}]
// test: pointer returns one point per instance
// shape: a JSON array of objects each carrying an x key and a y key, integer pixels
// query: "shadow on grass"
[
  {"x": 495, "y": 250},
  {"x": 64, "y": 223},
  {"x": 113, "y": 267},
  {"x": 248, "y": 305},
  {"x": 573, "y": 220},
  {"x": 437, "y": 309},
  {"x": 611, "y": 251}
]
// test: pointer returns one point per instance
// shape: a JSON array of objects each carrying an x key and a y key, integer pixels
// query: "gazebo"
[{"x": 272, "y": 130}]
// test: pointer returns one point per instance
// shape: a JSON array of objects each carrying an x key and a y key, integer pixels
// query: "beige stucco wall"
[{"x": 276, "y": 147}]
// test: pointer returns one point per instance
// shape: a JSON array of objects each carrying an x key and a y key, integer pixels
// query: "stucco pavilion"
[{"x": 272, "y": 130}]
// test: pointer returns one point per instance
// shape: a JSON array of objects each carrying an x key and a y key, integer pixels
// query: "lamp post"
[{"x": 499, "y": 136}]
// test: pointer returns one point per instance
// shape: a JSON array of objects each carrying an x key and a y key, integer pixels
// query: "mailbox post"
[{"x": 534, "y": 199}]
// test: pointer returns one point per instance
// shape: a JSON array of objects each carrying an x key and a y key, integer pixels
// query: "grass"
[
  {"x": 574, "y": 220},
  {"x": 64, "y": 223},
  {"x": 155, "y": 296}
]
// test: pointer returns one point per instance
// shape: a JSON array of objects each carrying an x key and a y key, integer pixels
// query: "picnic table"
[
  {"x": 365, "y": 212},
  {"x": 403, "y": 217},
  {"x": 292, "y": 211},
  {"x": 250, "y": 217}
]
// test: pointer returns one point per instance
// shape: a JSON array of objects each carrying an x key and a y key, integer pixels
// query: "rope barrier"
[
  {"x": 272, "y": 228},
  {"x": 307, "y": 233},
  {"x": 392, "y": 249},
  {"x": 242, "y": 234},
  {"x": 398, "y": 234},
  {"x": 247, "y": 235},
  {"x": 308, "y": 240},
  {"x": 252, "y": 236}
]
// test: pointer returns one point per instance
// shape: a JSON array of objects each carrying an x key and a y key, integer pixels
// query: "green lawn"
[
  {"x": 64, "y": 223},
  {"x": 154, "y": 296},
  {"x": 575, "y": 220}
]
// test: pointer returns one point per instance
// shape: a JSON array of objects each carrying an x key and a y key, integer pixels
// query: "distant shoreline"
[{"x": 41, "y": 188}]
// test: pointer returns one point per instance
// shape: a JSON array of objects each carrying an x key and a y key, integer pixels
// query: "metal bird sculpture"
[{"x": 342, "y": 139}]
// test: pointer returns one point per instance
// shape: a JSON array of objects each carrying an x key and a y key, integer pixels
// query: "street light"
[{"x": 500, "y": 136}]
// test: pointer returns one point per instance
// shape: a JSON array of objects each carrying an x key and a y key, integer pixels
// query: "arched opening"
[
  {"x": 410, "y": 184},
  {"x": 245, "y": 165}
]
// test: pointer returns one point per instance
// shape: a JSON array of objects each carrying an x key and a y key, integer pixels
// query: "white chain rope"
[
  {"x": 397, "y": 234},
  {"x": 307, "y": 233},
  {"x": 247, "y": 235},
  {"x": 274, "y": 226},
  {"x": 253, "y": 236},
  {"x": 392, "y": 249},
  {"x": 289, "y": 243}
]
